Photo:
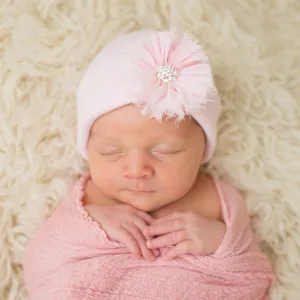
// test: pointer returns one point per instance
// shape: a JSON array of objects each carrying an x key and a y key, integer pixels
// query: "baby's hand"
[
  {"x": 124, "y": 224},
  {"x": 188, "y": 232}
]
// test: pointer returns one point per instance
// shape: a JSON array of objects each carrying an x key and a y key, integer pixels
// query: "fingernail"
[{"x": 148, "y": 244}]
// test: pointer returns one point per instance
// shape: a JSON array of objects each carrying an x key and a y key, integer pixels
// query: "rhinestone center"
[{"x": 166, "y": 72}]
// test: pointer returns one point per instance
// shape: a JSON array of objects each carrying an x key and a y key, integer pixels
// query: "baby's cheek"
[
  {"x": 103, "y": 177},
  {"x": 177, "y": 183},
  {"x": 107, "y": 182}
]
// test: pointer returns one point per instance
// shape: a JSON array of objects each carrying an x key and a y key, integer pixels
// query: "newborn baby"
[{"x": 145, "y": 222}]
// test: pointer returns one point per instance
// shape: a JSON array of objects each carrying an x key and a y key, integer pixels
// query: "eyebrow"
[{"x": 101, "y": 135}]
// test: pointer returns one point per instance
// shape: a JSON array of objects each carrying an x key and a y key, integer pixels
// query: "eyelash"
[
  {"x": 153, "y": 152},
  {"x": 160, "y": 152},
  {"x": 109, "y": 154},
  {"x": 168, "y": 153}
]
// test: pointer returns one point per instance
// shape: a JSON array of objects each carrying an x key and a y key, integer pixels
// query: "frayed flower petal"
[{"x": 178, "y": 96}]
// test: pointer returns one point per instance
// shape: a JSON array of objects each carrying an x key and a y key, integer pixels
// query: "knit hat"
[{"x": 166, "y": 74}]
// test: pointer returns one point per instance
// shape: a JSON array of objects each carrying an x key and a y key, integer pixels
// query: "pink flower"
[{"x": 175, "y": 76}]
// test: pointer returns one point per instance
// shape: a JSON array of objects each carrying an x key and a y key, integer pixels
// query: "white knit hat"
[{"x": 164, "y": 73}]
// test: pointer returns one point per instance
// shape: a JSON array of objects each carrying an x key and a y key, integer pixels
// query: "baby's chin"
[{"x": 145, "y": 201}]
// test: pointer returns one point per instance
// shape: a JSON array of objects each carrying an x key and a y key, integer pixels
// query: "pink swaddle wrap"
[{"x": 72, "y": 258}]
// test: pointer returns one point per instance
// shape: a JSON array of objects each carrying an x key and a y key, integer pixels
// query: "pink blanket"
[{"x": 72, "y": 258}]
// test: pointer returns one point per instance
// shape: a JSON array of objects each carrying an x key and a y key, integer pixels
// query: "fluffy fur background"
[{"x": 254, "y": 48}]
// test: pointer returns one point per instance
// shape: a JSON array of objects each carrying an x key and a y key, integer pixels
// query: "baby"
[{"x": 144, "y": 222}]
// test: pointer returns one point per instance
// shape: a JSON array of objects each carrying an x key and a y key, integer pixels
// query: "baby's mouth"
[{"x": 140, "y": 191}]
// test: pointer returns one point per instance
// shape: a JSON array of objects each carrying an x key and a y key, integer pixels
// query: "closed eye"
[
  {"x": 109, "y": 153},
  {"x": 167, "y": 152}
]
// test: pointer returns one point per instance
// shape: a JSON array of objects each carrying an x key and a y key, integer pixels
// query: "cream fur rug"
[{"x": 254, "y": 48}]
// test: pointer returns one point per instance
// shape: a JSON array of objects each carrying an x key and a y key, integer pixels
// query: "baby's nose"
[{"x": 137, "y": 166}]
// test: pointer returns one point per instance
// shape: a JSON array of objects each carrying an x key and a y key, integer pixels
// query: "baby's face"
[{"x": 144, "y": 162}]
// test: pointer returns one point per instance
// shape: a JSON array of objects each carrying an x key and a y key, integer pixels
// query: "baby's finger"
[
  {"x": 127, "y": 239},
  {"x": 167, "y": 218},
  {"x": 146, "y": 217},
  {"x": 146, "y": 253},
  {"x": 180, "y": 249},
  {"x": 169, "y": 239},
  {"x": 164, "y": 228},
  {"x": 140, "y": 223}
]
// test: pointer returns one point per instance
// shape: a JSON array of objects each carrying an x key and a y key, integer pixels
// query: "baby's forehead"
[
  {"x": 144, "y": 133},
  {"x": 164, "y": 133},
  {"x": 127, "y": 123}
]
